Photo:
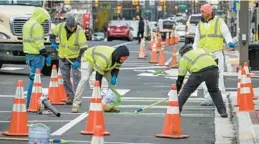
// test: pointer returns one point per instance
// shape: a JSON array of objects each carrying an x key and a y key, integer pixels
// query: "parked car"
[
  {"x": 119, "y": 30},
  {"x": 180, "y": 30},
  {"x": 98, "y": 36},
  {"x": 190, "y": 27}
]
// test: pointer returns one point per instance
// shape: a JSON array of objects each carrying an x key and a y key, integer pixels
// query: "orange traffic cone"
[
  {"x": 98, "y": 135},
  {"x": 19, "y": 121},
  {"x": 62, "y": 91},
  {"x": 161, "y": 61},
  {"x": 95, "y": 114},
  {"x": 247, "y": 73},
  {"x": 172, "y": 125},
  {"x": 174, "y": 57},
  {"x": 151, "y": 41},
  {"x": 142, "y": 50},
  {"x": 153, "y": 57},
  {"x": 53, "y": 91},
  {"x": 238, "y": 85},
  {"x": 167, "y": 40},
  {"x": 171, "y": 38},
  {"x": 246, "y": 100},
  {"x": 36, "y": 92}
]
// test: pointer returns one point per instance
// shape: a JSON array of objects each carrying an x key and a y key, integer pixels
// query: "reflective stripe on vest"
[
  {"x": 102, "y": 56},
  {"x": 215, "y": 35},
  {"x": 31, "y": 40},
  {"x": 76, "y": 45},
  {"x": 194, "y": 61}
]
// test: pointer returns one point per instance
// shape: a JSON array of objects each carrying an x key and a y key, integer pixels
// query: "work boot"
[
  {"x": 223, "y": 112},
  {"x": 207, "y": 103},
  {"x": 75, "y": 109},
  {"x": 69, "y": 101}
]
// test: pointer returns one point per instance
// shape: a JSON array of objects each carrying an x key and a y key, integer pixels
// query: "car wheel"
[
  {"x": 109, "y": 39},
  {"x": 47, "y": 69}
]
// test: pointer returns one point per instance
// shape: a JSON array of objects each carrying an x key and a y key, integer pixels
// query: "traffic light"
[
  {"x": 96, "y": 3},
  {"x": 135, "y": 2},
  {"x": 161, "y": 2},
  {"x": 118, "y": 9},
  {"x": 137, "y": 8},
  {"x": 256, "y": 5}
]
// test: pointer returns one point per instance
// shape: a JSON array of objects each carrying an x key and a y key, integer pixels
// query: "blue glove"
[
  {"x": 54, "y": 46},
  {"x": 48, "y": 60},
  {"x": 113, "y": 80},
  {"x": 231, "y": 45},
  {"x": 76, "y": 64}
]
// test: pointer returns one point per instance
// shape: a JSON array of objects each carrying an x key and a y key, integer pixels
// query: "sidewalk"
[{"x": 246, "y": 123}]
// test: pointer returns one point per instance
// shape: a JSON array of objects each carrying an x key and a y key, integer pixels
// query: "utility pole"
[{"x": 244, "y": 35}]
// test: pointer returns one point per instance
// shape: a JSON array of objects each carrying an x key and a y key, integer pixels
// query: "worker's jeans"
[
  {"x": 65, "y": 67},
  {"x": 34, "y": 62},
  {"x": 221, "y": 61},
  {"x": 86, "y": 72},
  {"x": 210, "y": 77}
]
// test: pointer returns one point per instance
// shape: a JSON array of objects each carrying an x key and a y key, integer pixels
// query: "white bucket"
[{"x": 39, "y": 134}]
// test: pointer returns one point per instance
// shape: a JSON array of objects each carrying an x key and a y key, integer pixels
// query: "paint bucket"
[{"x": 39, "y": 134}]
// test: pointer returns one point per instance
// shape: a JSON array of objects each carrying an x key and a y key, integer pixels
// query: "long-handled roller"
[
  {"x": 149, "y": 106},
  {"x": 160, "y": 71}
]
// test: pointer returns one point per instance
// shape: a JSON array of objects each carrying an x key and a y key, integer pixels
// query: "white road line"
[
  {"x": 69, "y": 125},
  {"x": 36, "y": 121},
  {"x": 78, "y": 141},
  {"x": 165, "y": 107},
  {"x": 12, "y": 68},
  {"x": 122, "y": 44},
  {"x": 136, "y": 68}
]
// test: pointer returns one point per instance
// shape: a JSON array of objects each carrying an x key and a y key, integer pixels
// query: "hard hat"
[{"x": 185, "y": 49}]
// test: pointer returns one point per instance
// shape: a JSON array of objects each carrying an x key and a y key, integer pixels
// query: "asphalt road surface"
[{"x": 138, "y": 87}]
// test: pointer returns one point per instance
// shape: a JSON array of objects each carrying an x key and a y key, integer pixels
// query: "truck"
[
  {"x": 166, "y": 26},
  {"x": 13, "y": 15}
]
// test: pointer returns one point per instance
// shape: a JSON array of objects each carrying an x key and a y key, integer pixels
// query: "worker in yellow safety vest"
[
  {"x": 202, "y": 67},
  {"x": 105, "y": 61},
  {"x": 210, "y": 34},
  {"x": 72, "y": 44},
  {"x": 33, "y": 45}
]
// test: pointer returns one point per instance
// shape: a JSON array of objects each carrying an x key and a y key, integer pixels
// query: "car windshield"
[
  {"x": 195, "y": 19},
  {"x": 116, "y": 23},
  {"x": 21, "y": 2}
]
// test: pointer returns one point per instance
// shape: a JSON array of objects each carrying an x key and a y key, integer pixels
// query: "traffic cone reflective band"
[
  {"x": 142, "y": 49},
  {"x": 36, "y": 92},
  {"x": 95, "y": 114},
  {"x": 248, "y": 75},
  {"x": 98, "y": 135},
  {"x": 151, "y": 41},
  {"x": 167, "y": 40},
  {"x": 19, "y": 121},
  {"x": 172, "y": 125},
  {"x": 53, "y": 91},
  {"x": 238, "y": 84},
  {"x": 62, "y": 91},
  {"x": 246, "y": 100},
  {"x": 161, "y": 61},
  {"x": 174, "y": 57}
]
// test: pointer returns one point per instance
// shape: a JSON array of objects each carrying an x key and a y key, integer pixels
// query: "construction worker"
[
  {"x": 72, "y": 45},
  {"x": 210, "y": 34},
  {"x": 106, "y": 61},
  {"x": 33, "y": 45},
  {"x": 203, "y": 68}
]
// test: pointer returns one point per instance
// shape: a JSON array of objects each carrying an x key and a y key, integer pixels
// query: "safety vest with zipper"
[{"x": 69, "y": 48}]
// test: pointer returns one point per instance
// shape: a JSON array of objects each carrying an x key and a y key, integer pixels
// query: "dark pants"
[
  {"x": 210, "y": 77},
  {"x": 140, "y": 36}
]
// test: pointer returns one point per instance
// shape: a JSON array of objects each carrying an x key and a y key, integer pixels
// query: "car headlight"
[{"x": 4, "y": 36}]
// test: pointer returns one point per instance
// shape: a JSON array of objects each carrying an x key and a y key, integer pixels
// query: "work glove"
[
  {"x": 231, "y": 45},
  {"x": 76, "y": 64},
  {"x": 113, "y": 80},
  {"x": 54, "y": 46},
  {"x": 48, "y": 60}
]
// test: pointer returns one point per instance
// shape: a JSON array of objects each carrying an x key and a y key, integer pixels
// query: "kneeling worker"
[
  {"x": 106, "y": 61},
  {"x": 203, "y": 68}
]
